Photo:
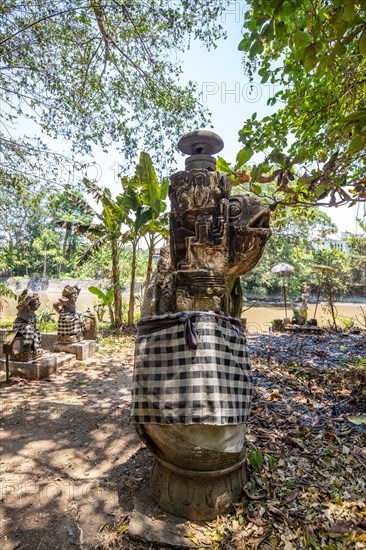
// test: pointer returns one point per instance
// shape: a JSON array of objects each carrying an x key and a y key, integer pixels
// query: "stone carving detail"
[
  {"x": 210, "y": 247},
  {"x": 29, "y": 343},
  {"x": 71, "y": 323}
]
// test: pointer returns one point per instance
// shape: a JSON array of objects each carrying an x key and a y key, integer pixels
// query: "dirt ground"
[{"x": 71, "y": 461}]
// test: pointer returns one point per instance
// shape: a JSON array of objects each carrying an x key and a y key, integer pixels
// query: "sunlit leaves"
[
  {"x": 314, "y": 53},
  {"x": 101, "y": 72}
]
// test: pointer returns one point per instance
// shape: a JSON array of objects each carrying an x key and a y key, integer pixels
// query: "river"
[{"x": 259, "y": 317}]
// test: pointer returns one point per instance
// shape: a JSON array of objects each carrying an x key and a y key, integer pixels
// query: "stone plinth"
[
  {"x": 82, "y": 350},
  {"x": 32, "y": 370},
  {"x": 196, "y": 495}
]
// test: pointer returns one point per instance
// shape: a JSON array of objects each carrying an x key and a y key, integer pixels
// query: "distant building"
[{"x": 337, "y": 241}]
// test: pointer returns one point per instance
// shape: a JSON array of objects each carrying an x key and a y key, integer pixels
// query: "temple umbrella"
[
  {"x": 323, "y": 269},
  {"x": 283, "y": 269}
]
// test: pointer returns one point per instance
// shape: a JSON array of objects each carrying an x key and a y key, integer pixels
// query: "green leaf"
[
  {"x": 256, "y": 459},
  {"x": 244, "y": 44},
  {"x": 310, "y": 59},
  {"x": 256, "y": 48},
  {"x": 356, "y": 144},
  {"x": 301, "y": 39},
  {"x": 255, "y": 172},
  {"x": 362, "y": 43},
  {"x": 223, "y": 166},
  {"x": 149, "y": 183},
  {"x": 271, "y": 461},
  {"x": 97, "y": 292},
  {"x": 356, "y": 116},
  {"x": 243, "y": 156},
  {"x": 348, "y": 10}
]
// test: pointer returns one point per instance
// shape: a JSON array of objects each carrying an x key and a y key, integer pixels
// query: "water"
[{"x": 259, "y": 317}]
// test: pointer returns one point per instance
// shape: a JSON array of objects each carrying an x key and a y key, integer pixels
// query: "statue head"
[
  {"x": 70, "y": 295},
  {"x": 28, "y": 302},
  {"x": 248, "y": 232}
]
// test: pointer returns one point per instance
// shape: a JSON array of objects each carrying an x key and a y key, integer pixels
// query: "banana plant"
[
  {"x": 106, "y": 301},
  {"x": 146, "y": 216},
  {"x": 107, "y": 229}
]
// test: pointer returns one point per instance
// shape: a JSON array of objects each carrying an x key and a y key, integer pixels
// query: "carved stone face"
[
  {"x": 248, "y": 232},
  {"x": 28, "y": 302}
]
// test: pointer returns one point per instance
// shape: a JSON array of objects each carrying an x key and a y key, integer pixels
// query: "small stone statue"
[
  {"x": 300, "y": 311},
  {"x": 71, "y": 322},
  {"x": 26, "y": 325}
]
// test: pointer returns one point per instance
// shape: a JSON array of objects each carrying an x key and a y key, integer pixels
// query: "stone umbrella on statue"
[{"x": 192, "y": 375}]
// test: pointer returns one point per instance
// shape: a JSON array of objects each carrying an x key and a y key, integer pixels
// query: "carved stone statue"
[
  {"x": 26, "y": 325},
  {"x": 192, "y": 376},
  {"x": 71, "y": 323}
]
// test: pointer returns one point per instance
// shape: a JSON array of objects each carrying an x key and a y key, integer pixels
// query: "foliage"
[
  {"x": 154, "y": 194},
  {"x": 106, "y": 302},
  {"x": 47, "y": 250},
  {"x": 312, "y": 496},
  {"x": 46, "y": 321},
  {"x": 98, "y": 72},
  {"x": 145, "y": 200},
  {"x": 5, "y": 292},
  {"x": 107, "y": 230},
  {"x": 30, "y": 240},
  {"x": 313, "y": 54},
  {"x": 294, "y": 242}
]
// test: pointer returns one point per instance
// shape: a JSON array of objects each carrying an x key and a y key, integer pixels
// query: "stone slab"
[
  {"x": 150, "y": 524},
  {"x": 32, "y": 370},
  {"x": 64, "y": 359},
  {"x": 48, "y": 340},
  {"x": 82, "y": 350}
]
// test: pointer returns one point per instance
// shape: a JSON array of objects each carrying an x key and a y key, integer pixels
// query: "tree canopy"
[
  {"x": 96, "y": 72},
  {"x": 313, "y": 55}
]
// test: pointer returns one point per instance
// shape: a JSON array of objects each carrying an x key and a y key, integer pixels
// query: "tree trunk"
[
  {"x": 149, "y": 262},
  {"x": 131, "y": 306},
  {"x": 116, "y": 285},
  {"x": 44, "y": 266}
]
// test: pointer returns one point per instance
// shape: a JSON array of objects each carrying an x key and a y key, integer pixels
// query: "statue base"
[
  {"x": 82, "y": 350},
  {"x": 196, "y": 495},
  {"x": 39, "y": 368}
]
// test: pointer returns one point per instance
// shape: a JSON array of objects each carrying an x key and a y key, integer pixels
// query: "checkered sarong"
[
  {"x": 70, "y": 323},
  {"x": 175, "y": 384},
  {"x": 29, "y": 331}
]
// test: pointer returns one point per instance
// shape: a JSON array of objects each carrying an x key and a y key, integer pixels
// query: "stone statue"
[
  {"x": 26, "y": 325},
  {"x": 192, "y": 376},
  {"x": 71, "y": 323}
]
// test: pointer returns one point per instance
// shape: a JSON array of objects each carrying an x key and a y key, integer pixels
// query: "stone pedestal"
[
  {"x": 82, "y": 350},
  {"x": 39, "y": 368},
  {"x": 196, "y": 495}
]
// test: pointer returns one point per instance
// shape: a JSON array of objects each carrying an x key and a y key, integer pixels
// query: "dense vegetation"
[{"x": 313, "y": 53}]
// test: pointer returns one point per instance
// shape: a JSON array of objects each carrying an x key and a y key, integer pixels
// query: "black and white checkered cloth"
[
  {"x": 174, "y": 383},
  {"x": 70, "y": 323},
  {"x": 29, "y": 331}
]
